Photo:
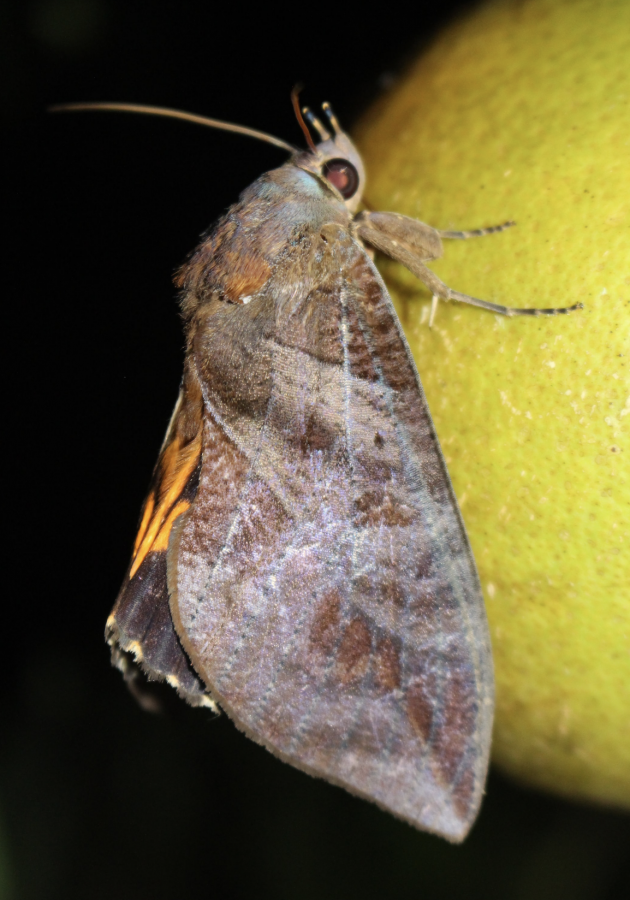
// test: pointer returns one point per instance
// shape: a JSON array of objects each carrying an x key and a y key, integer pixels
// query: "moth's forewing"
[
  {"x": 321, "y": 582},
  {"x": 140, "y": 628}
]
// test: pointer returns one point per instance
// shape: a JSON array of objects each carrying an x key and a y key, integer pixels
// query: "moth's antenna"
[
  {"x": 332, "y": 118},
  {"x": 176, "y": 114},
  {"x": 315, "y": 123},
  {"x": 295, "y": 100}
]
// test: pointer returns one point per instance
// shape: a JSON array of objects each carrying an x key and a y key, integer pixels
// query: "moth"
[{"x": 301, "y": 562}]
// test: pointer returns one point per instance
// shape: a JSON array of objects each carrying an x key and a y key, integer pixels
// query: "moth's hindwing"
[
  {"x": 322, "y": 582},
  {"x": 140, "y": 629}
]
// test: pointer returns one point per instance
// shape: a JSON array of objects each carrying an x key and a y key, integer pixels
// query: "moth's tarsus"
[
  {"x": 553, "y": 311},
  {"x": 510, "y": 310},
  {"x": 476, "y": 232},
  {"x": 484, "y": 304}
]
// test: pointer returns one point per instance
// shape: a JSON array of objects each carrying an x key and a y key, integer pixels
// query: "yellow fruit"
[{"x": 523, "y": 112}]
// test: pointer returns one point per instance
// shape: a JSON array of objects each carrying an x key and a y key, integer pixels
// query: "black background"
[{"x": 97, "y": 798}]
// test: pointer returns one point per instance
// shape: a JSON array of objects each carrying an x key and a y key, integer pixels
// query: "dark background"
[{"x": 97, "y": 798}]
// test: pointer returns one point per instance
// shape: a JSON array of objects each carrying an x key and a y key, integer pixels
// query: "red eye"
[{"x": 343, "y": 176}]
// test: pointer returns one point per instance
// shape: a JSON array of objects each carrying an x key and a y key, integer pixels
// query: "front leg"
[
  {"x": 399, "y": 231},
  {"x": 446, "y": 293},
  {"x": 396, "y": 237}
]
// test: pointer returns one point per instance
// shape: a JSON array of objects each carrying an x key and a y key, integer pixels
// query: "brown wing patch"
[
  {"x": 420, "y": 708},
  {"x": 457, "y": 723},
  {"x": 316, "y": 435},
  {"x": 225, "y": 265},
  {"x": 246, "y": 273},
  {"x": 325, "y": 623},
  {"x": 360, "y": 359},
  {"x": 376, "y": 321},
  {"x": 463, "y": 793},
  {"x": 375, "y": 507},
  {"x": 387, "y": 665},
  {"x": 353, "y": 655}
]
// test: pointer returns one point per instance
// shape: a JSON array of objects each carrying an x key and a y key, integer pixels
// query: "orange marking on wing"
[
  {"x": 161, "y": 541},
  {"x": 174, "y": 469},
  {"x": 146, "y": 518},
  {"x": 246, "y": 274}
]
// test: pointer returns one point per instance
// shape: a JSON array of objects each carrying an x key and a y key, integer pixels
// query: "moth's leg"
[
  {"x": 434, "y": 305},
  {"x": 387, "y": 231},
  {"x": 477, "y": 232},
  {"x": 446, "y": 293},
  {"x": 382, "y": 239}
]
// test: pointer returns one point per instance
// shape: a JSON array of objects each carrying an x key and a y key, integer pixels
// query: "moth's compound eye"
[{"x": 343, "y": 176}]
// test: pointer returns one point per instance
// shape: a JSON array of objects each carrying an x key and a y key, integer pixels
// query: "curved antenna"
[
  {"x": 175, "y": 114},
  {"x": 295, "y": 100}
]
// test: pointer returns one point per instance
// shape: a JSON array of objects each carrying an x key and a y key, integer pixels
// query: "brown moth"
[{"x": 301, "y": 561}]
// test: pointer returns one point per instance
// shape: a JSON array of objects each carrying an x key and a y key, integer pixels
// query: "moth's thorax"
[
  {"x": 282, "y": 209},
  {"x": 295, "y": 197}
]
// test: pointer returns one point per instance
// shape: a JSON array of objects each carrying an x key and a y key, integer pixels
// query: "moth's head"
[{"x": 335, "y": 159}]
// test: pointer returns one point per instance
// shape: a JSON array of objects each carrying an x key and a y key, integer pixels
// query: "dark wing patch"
[
  {"x": 143, "y": 641},
  {"x": 336, "y": 613},
  {"x": 140, "y": 629}
]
